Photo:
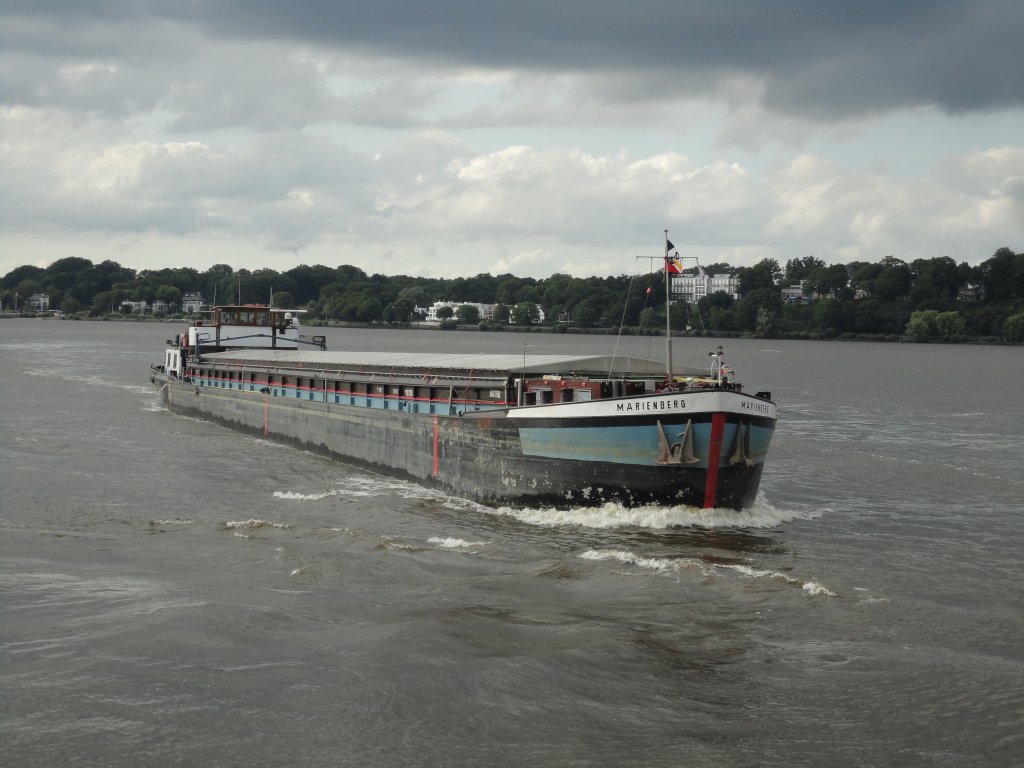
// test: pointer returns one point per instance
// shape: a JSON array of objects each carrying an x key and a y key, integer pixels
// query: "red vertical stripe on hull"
[
  {"x": 435, "y": 446},
  {"x": 714, "y": 451}
]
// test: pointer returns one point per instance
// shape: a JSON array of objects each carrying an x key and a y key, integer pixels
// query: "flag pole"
[{"x": 668, "y": 311}]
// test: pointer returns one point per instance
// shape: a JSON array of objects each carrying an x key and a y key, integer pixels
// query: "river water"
[{"x": 176, "y": 594}]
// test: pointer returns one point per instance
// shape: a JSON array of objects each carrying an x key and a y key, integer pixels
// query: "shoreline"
[{"x": 550, "y": 330}]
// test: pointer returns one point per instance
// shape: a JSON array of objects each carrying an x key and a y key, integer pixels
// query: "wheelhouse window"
[{"x": 243, "y": 316}]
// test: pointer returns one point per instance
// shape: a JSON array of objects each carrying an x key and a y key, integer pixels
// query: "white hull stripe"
[{"x": 715, "y": 401}]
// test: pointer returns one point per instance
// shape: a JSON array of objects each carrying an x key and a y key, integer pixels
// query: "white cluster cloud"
[{"x": 171, "y": 135}]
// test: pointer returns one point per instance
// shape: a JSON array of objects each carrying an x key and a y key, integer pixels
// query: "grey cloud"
[
  {"x": 828, "y": 60},
  {"x": 816, "y": 59}
]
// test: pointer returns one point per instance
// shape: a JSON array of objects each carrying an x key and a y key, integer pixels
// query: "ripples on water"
[{"x": 174, "y": 593}]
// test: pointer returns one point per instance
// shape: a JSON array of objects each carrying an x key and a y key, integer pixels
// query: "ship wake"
[{"x": 612, "y": 515}]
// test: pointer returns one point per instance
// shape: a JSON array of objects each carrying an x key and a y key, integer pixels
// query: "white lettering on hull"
[{"x": 714, "y": 401}]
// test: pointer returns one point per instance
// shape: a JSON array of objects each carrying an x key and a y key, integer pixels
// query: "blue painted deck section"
[{"x": 383, "y": 402}]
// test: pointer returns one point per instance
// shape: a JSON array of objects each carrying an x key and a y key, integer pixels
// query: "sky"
[{"x": 457, "y": 137}]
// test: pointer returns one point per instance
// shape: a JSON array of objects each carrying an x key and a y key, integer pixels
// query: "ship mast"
[{"x": 668, "y": 310}]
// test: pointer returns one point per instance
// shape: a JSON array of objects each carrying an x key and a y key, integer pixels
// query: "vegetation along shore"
[{"x": 924, "y": 300}]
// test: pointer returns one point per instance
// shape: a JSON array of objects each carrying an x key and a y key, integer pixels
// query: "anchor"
[
  {"x": 741, "y": 447},
  {"x": 676, "y": 453}
]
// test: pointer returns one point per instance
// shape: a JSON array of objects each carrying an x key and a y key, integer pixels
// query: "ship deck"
[{"x": 459, "y": 364}]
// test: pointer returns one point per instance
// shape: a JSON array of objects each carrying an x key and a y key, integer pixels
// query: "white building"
[
  {"x": 192, "y": 303},
  {"x": 794, "y": 293},
  {"x": 486, "y": 310},
  {"x": 693, "y": 288},
  {"x": 40, "y": 302}
]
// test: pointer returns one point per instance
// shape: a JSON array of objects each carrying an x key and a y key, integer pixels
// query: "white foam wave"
[
  {"x": 389, "y": 542},
  {"x": 367, "y": 486},
  {"x": 98, "y": 380},
  {"x": 380, "y": 485},
  {"x": 171, "y": 522},
  {"x": 613, "y": 515},
  {"x": 295, "y": 496},
  {"x": 678, "y": 565},
  {"x": 660, "y": 564},
  {"x": 253, "y": 524},
  {"x": 811, "y": 587},
  {"x": 450, "y": 543},
  {"x": 817, "y": 589}
]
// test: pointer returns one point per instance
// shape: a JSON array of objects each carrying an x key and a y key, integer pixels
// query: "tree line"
[{"x": 923, "y": 300}]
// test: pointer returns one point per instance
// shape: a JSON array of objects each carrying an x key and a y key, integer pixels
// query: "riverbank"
[{"x": 558, "y": 329}]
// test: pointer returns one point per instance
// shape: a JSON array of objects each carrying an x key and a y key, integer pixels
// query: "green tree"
[
  {"x": 766, "y": 325},
  {"x": 722, "y": 320},
  {"x": 169, "y": 295},
  {"x": 797, "y": 317},
  {"x": 525, "y": 313},
  {"x": 863, "y": 275},
  {"x": 102, "y": 303},
  {"x": 24, "y": 290},
  {"x": 921, "y": 327},
  {"x": 894, "y": 281},
  {"x": 1013, "y": 327},
  {"x": 830, "y": 317},
  {"x": 798, "y": 269},
  {"x": 70, "y": 305},
  {"x": 587, "y": 313},
  {"x": 558, "y": 290},
  {"x": 445, "y": 313},
  {"x": 501, "y": 313},
  {"x": 766, "y": 274},
  {"x": 20, "y": 275},
  {"x": 827, "y": 281},
  {"x": 403, "y": 307},
  {"x": 468, "y": 314},
  {"x": 370, "y": 310},
  {"x": 507, "y": 289},
  {"x": 935, "y": 279},
  {"x": 307, "y": 281},
  {"x": 65, "y": 273},
  {"x": 652, "y": 317},
  {"x": 284, "y": 300},
  {"x": 749, "y": 308},
  {"x": 928, "y": 324}
]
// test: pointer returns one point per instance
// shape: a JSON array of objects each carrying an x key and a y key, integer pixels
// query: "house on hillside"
[
  {"x": 971, "y": 292},
  {"x": 40, "y": 302},
  {"x": 486, "y": 310},
  {"x": 794, "y": 294},
  {"x": 693, "y": 288},
  {"x": 192, "y": 303}
]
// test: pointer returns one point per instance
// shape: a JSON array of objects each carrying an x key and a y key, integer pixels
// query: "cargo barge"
[{"x": 500, "y": 429}]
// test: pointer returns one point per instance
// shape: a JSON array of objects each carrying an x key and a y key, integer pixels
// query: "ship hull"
[{"x": 630, "y": 452}]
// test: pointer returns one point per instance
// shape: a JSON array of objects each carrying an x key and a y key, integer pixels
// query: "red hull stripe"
[
  {"x": 435, "y": 446},
  {"x": 714, "y": 451}
]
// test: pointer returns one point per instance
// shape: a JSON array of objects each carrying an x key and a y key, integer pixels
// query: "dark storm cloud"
[
  {"x": 820, "y": 58},
  {"x": 827, "y": 60}
]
